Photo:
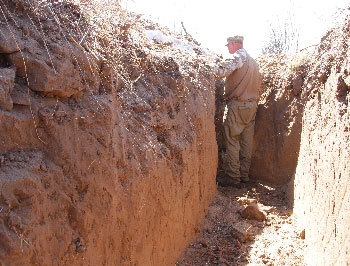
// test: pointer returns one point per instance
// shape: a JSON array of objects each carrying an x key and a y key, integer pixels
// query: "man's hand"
[{"x": 218, "y": 71}]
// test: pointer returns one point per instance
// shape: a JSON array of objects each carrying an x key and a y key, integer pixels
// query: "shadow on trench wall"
[{"x": 219, "y": 114}]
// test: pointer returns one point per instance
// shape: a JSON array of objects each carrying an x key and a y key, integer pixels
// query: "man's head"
[{"x": 234, "y": 43}]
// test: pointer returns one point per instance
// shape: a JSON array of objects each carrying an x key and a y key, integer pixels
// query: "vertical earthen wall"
[
  {"x": 302, "y": 140},
  {"x": 322, "y": 179}
]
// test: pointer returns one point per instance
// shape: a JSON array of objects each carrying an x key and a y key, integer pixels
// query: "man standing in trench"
[{"x": 242, "y": 87}]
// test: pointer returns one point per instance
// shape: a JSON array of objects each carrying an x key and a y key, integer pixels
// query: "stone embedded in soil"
[
  {"x": 252, "y": 212},
  {"x": 7, "y": 45},
  {"x": 241, "y": 236}
]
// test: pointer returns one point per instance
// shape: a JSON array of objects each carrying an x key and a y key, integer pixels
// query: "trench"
[
  {"x": 298, "y": 167},
  {"x": 228, "y": 238},
  {"x": 109, "y": 147}
]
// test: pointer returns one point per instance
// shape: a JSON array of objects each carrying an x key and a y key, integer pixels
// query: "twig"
[
  {"x": 91, "y": 163},
  {"x": 44, "y": 40},
  {"x": 62, "y": 26},
  {"x": 21, "y": 238},
  {"x": 82, "y": 39},
  {"x": 189, "y": 35}
]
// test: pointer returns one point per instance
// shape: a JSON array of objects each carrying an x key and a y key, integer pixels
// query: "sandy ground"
[{"x": 225, "y": 238}]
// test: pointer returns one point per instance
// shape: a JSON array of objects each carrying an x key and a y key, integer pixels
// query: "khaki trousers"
[{"x": 238, "y": 132}]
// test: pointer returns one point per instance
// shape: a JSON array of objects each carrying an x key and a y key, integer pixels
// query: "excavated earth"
[
  {"x": 108, "y": 149},
  {"x": 110, "y": 140}
]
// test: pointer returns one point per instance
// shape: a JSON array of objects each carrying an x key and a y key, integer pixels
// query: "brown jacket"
[{"x": 243, "y": 84}]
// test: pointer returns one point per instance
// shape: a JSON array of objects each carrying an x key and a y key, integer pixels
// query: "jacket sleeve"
[{"x": 225, "y": 68}]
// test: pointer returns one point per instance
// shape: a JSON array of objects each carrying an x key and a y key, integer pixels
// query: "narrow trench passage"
[
  {"x": 226, "y": 238},
  {"x": 229, "y": 237}
]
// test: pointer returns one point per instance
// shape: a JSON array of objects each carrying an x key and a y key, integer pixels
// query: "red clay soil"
[{"x": 108, "y": 153}]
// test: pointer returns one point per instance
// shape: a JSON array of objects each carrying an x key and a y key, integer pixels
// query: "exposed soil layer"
[
  {"x": 322, "y": 179},
  {"x": 108, "y": 153}
]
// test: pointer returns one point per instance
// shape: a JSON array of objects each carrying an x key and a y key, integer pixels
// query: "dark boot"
[{"x": 228, "y": 182}]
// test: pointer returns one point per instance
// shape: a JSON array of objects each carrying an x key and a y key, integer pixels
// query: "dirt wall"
[
  {"x": 321, "y": 186},
  {"x": 278, "y": 121},
  {"x": 103, "y": 161},
  {"x": 303, "y": 127}
]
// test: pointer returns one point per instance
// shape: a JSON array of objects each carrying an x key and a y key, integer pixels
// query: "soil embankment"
[
  {"x": 310, "y": 127},
  {"x": 321, "y": 183},
  {"x": 108, "y": 151}
]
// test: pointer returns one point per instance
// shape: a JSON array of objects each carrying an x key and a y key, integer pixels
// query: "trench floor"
[{"x": 226, "y": 238}]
